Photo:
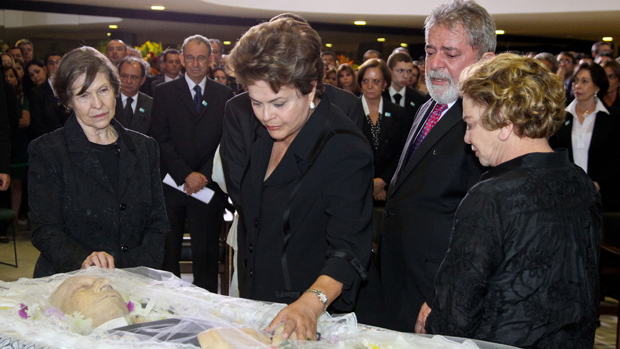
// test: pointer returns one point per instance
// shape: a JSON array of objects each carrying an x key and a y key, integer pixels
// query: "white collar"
[
  {"x": 134, "y": 97},
  {"x": 367, "y": 110},
  {"x": 393, "y": 91},
  {"x": 191, "y": 84},
  {"x": 572, "y": 107}
]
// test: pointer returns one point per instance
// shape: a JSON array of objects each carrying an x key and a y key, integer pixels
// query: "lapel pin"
[
  {"x": 387, "y": 114},
  {"x": 412, "y": 104},
  {"x": 141, "y": 110},
  {"x": 204, "y": 103},
  {"x": 434, "y": 153},
  {"x": 567, "y": 122}
]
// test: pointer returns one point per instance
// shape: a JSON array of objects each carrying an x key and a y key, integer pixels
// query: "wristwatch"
[{"x": 320, "y": 295}]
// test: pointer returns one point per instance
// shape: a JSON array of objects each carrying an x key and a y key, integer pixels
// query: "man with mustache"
[{"x": 436, "y": 167}]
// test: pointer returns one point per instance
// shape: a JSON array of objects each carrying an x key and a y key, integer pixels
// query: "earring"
[{"x": 312, "y": 106}]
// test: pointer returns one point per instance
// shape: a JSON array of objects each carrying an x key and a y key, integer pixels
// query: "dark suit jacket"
[
  {"x": 46, "y": 111},
  {"x": 330, "y": 212},
  {"x": 240, "y": 123},
  {"x": 347, "y": 102},
  {"x": 392, "y": 139},
  {"x": 147, "y": 86},
  {"x": 187, "y": 139},
  {"x": 603, "y": 154},
  {"x": 155, "y": 82},
  {"x": 413, "y": 101},
  {"x": 5, "y": 129},
  {"x": 141, "y": 121},
  {"x": 75, "y": 211},
  {"x": 419, "y": 213}
]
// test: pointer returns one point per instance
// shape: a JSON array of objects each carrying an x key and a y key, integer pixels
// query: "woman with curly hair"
[{"x": 522, "y": 265}]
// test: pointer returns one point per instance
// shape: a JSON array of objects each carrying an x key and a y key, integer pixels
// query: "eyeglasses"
[
  {"x": 565, "y": 61},
  {"x": 191, "y": 59},
  {"x": 219, "y": 78}
]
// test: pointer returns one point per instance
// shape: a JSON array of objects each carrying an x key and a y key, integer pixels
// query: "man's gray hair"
[
  {"x": 197, "y": 38},
  {"x": 546, "y": 56},
  {"x": 479, "y": 25}
]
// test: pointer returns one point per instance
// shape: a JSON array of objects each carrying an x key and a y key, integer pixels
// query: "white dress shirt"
[{"x": 581, "y": 134}]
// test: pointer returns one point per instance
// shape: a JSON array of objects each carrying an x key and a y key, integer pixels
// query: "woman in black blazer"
[
  {"x": 304, "y": 231},
  {"x": 95, "y": 190},
  {"x": 385, "y": 125},
  {"x": 591, "y": 133}
]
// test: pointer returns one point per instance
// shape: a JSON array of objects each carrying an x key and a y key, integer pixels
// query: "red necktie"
[{"x": 430, "y": 123}]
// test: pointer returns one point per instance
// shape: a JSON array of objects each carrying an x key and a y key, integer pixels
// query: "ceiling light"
[
  {"x": 113, "y": 26},
  {"x": 157, "y": 8},
  {"x": 499, "y": 32},
  {"x": 403, "y": 44},
  {"x": 227, "y": 42},
  {"x": 109, "y": 34},
  {"x": 381, "y": 39},
  {"x": 359, "y": 22},
  {"x": 608, "y": 38},
  {"x": 328, "y": 45}
]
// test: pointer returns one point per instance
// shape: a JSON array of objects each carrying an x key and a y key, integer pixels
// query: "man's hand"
[
  {"x": 420, "y": 324},
  {"x": 195, "y": 182},
  {"x": 99, "y": 259},
  {"x": 5, "y": 180}
]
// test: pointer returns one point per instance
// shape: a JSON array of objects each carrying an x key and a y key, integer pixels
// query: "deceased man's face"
[{"x": 92, "y": 297}]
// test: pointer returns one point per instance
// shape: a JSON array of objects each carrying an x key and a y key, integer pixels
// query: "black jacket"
[
  {"x": 141, "y": 120},
  {"x": 240, "y": 124},
  {"x": 413, "y": 101},
  {"x": 419, "y": 212},
  {"x": 392, "y": 138},
  {"x": 187, "y": 139},
  {"x": 46, "y": 111},
  {"x": 329, "y": 215},
  {"x": 75, "y": 210},
  {"x": 603, "y": 154},
  {"x": 522, "y": 268}
]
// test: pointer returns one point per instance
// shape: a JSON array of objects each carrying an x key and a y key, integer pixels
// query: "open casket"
[{"x": 177, "y": 313}]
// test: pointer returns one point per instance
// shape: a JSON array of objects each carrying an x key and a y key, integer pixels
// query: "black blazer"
[
  {"x": 187, "y": 139},
  {"x": 46, "y": 112},
  {"x": 158, "y": 81},
  {"x": 75, "y": 211},
  {"x": 392, "y": 139},
  {"x": 603, "y": 154},
  {"x": 5, "y": 128},
  {"x": 419, "y": 213},
  {"x": 413, "y": 101},
  {"x": 141, "y": 121},
  {"x": 240, "y": 123},
  {"x": 330, "y": 213}
]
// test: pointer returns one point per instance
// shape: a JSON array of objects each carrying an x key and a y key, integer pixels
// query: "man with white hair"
[{"x": 436, "y": 167}]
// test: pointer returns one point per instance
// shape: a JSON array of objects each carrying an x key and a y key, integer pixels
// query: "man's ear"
[{"x": 487, "y": 56}]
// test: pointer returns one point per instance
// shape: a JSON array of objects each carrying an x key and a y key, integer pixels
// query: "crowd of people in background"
[{"x": 192, "y": 83}]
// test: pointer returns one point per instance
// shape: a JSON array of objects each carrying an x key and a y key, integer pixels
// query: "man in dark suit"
[
  {"x": 171, "y": 68},
  {"x": 46, "y": 111},
  {"x": 401, "y": 67},
  {"x": 133, "y": 108},
  {"x": 187, "y": 122},
  {"x": 436, "y": 167}
]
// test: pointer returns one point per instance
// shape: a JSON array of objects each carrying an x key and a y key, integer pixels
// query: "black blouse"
[{"x": 522, "y": 264}]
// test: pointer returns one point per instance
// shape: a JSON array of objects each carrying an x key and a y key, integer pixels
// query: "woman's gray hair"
[
  {"x": 479, "y": 25},
  {"x": 82, "y": 61}
]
